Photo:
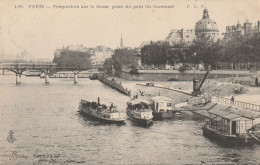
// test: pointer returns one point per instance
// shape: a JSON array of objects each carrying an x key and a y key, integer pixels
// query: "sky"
[{"x": 40, "y": 31}]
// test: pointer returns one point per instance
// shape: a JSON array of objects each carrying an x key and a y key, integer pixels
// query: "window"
[{"x": 169, "y": 104}]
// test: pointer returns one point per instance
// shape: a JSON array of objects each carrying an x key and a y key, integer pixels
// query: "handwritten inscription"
[{"x": 40, "y": 158}]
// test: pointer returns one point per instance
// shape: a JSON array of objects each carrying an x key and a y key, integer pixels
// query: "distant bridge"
[{"x": 46, "y": 68}]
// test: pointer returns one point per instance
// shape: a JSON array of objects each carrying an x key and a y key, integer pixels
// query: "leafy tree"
[
  {"x": 121, "y": 57},
  {"x": 108, "y": 66},
  {"x": 204, "y": 50},
  {"x": 125, "y": 56},
  {"x": 69, "y": 58},
  {"x": 155, "y": 53},
  {"x": 177, "y": 53},
  {"x": 134, "y": 70}
]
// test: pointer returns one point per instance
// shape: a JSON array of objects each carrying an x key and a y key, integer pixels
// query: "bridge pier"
[
  {"x": 18, "y": 78},
  {"x": 46, "y": 76},
  {"x": 75, "y": 78}
]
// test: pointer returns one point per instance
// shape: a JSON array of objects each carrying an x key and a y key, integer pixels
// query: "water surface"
[{"x": 45, "y": 120}]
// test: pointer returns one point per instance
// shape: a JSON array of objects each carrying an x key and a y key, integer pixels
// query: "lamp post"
[
  {"x": 195, "y": 54},
  {"x": 232, "y": 71}
]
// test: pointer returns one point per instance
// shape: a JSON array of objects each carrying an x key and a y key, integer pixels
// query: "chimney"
[{"x": 258, "y": 25}]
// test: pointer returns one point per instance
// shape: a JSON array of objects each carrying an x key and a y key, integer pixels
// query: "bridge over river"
[{"x": 46, "y": 68}]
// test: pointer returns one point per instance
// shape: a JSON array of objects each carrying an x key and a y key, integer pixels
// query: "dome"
[{"x": 206, "y": 24}]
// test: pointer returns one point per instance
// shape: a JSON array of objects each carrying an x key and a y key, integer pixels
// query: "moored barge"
[
  {"x": 228, "y": 127},
  {"x": 102, "y": 113},
  {"x": 139, "y": 112},
  {"x": 112, "y": 83}
]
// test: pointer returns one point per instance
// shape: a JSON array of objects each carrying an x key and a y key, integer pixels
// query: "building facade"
[
  {"x": 98, "y": 54},
  {"x": 182, "y": 35},
  {"x": 206, "y": 27},
  {"x": 245, "y": 29},
  {"x": 203, "y": 28}
]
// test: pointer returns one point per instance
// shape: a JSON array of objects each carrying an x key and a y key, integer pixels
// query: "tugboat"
[
  {"x": 102, "y": 113},
  {"x": 228, "y": 127},
  {"x": 139, "y": 112}
]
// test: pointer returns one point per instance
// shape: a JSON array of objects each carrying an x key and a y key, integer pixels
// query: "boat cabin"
[
  {"x": 138, "y": 104},
  {"x": 229, "y": 123},
  {"x": 161, "y": 104},
  {"x": 140, "y": 108}
]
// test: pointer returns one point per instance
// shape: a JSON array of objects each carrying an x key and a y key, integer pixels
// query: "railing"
[{"x": 241, "y": 104}]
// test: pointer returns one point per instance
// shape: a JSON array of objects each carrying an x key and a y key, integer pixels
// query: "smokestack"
[
  {"x": 258, "y": 25},
  {"x": 98, "y": 101}
]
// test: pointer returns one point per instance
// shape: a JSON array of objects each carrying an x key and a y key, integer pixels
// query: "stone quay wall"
[{"x": 165, "y": 75}]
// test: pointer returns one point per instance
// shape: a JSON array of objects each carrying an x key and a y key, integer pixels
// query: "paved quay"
[{"x": 170, "y": 89}]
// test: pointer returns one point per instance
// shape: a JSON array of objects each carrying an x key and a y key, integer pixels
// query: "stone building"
[
  {"x": 246, "y": 29},
  {"x": 203, "y": 28},
  {"x": 182, "y": 35},
  {"x": 206, "y": 27}
]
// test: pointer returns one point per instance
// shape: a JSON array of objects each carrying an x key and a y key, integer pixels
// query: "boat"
[
  {"x": 112, "y": 83},
  {"x": 163, "y": 108},
  {"x": 102, "y": 113},
  {"x": 93, "y": 76},
  {"x": 228, "y": 127},
  {"x": 139, "y": 112}
]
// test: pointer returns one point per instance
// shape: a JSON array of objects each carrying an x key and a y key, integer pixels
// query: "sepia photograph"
[{"x": 134, "y": 82}]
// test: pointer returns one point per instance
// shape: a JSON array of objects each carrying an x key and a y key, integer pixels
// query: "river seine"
[{"x": 48, "y": 130}]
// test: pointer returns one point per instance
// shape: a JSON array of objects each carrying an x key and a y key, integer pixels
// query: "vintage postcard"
[{"x": 129, "y": 82}]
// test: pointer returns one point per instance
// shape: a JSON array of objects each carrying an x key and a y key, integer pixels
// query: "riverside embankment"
[
  {"x": 218, "y": 88},
  {"x": 166, "y": 75}
]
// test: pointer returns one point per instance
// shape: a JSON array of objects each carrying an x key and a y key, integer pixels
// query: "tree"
[
  {"x": 125, "y": 56},
  {"x": 69, "y": 58},
  {"x": 204, "y": 50},
  {"x": 177, "y": 53},
  {"x": 121, "y": 57},
  {"x": 134, "y": 70},
  {"x": 108, "y": 66},
  {"x": 155, "y": 53}
]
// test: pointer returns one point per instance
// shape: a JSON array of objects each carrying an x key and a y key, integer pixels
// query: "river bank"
[
  {"x": 175, "y": 75},
  {"x": 218, "y": 88}
]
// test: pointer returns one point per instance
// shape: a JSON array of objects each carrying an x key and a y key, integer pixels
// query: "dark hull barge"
[
  {"x": 212, "y": 134},
  {"x": 225, "y": 126},
  {"x": 101, "y": 112},
  {"x": 113, "y": 84},
  {"x": 139, "y": 121},
  {"x": 139, "y": 112}
]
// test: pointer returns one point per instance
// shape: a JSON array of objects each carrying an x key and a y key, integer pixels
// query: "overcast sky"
[{"x": 41, "y": 31}]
